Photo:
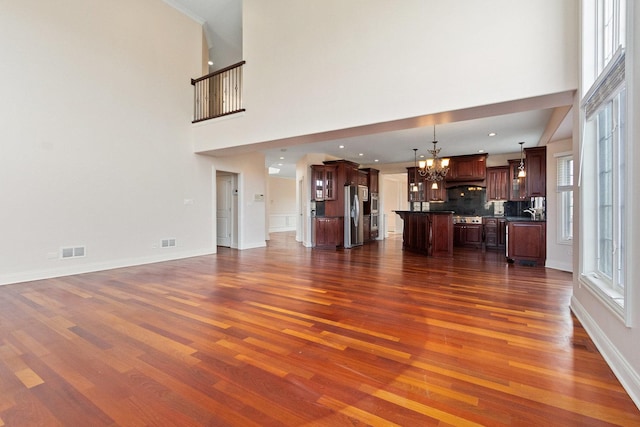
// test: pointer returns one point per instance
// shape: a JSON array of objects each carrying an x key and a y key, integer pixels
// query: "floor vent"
[
  {"x": 168, "y": 243},
  {"x": 74, "y": 252}
]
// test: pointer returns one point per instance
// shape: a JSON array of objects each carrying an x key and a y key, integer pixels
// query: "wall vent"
[
  {"x": 168, "y": 243},
  {"x": 73, "y": 252}
]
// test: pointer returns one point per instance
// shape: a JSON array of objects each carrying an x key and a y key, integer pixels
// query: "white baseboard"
[
  {"x": 70, "y": 270},
  {"x": 628, "y": 377},
  {"x": 562, "y": 266},
  {"x": 253, "y": 245},
  {"x": 278, "y": 229}
]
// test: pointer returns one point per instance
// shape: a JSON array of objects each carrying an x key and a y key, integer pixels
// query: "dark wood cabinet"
[
  {"x": 415, "y": 186},
  {"x": 467, "y": 235},
  {"x": 534, "y": 184},
  {"x": 497, "y": 183},
  {"x": 347, "y": 172},
  {"x": 441, "y": 244},
  {"x": 366, "y": 228},
  {"x": 490, "y": 232},
  {"x": 371, "y": 206},
  {"x": 327, "y": 185},
  {"x": 517, "y": 186},
  {"x": 502, "y": 233},
  {"x": 494, "y": 233},
  {"x": 467, "y": 168},
  {"x": 363, "y": 178},
  {"x": 421, "y": 190},
  {"x": 373, "y": 177},
  {"x": 323, "y": 183},
  {"x": 328, "y": 232},
  {"x": 527, "y": 242},
  {"x": 429, "y": 233},
  {"x": 536, "y": 167},
  {"x": 438, "y": 194}
]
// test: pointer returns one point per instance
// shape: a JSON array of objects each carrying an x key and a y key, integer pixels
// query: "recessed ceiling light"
[
  {"x": 281, "y": 158},
  {"x": 210, "y": 62},
  {"x": 481, "y": 151},
  {"x": 421, "y": 156},
  {"x": 279, "y": 164},
  {"x": 376, "y": 160},
  {"x": 340, "y": 146},
  {"x": 360, "y": 154},
  {"x": 492, "y": 134}
]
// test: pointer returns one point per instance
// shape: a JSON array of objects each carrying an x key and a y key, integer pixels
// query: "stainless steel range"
[{"x": 463, "y": 219}]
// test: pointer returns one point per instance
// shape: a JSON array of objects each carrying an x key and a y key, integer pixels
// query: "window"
[
  {"x": 609, "y": 30},
  {"x": 565, "y": 199},
  {"x": 603, "y": 173},
  {"x": 610, "y": 197}
]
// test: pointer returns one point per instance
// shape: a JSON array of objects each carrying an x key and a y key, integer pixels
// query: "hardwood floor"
[{"x": 286, "y": 335}]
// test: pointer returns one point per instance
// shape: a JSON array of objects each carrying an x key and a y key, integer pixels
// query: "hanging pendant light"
[
  {"x": 521, "y": 172},
  {"x": 414, "y": 186}
]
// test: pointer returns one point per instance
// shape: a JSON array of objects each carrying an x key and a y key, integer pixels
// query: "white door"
[
  {"x": 223, "y": 210},
  {"x": 301, "y": 210}
]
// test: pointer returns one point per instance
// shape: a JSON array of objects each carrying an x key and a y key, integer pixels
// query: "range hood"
[{"x": 452, "y": 184}]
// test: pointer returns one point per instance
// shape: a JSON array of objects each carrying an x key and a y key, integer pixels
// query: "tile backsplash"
[{"x": 468, "y": 200}]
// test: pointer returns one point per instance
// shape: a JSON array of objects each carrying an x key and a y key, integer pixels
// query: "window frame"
[
  {"x": 609, "y": 83},
  {"x": 565, "y": 209}
]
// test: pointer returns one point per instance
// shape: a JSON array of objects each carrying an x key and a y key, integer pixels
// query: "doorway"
[{"x": 225, "y": 209}]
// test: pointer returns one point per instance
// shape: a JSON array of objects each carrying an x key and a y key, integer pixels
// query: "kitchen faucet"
[{"x": 531, "y": 211}]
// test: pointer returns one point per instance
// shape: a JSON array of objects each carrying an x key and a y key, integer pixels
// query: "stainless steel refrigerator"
[{"x": 354, "y": 198}]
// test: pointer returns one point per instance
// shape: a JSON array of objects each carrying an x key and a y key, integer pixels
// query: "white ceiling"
[
  {"x": 391, "y": 151},
  {"x": 390, "y": 147}
]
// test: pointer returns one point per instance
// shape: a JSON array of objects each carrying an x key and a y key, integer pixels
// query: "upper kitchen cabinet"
[
  {"x": 373, "y": 176},
  {"x": 467, "y": 168},
  {"x": 323, "y": 182},
  {"x": 363, "y": 177},
  {"x": 416, "y": 186},
  {"x": 421, "y": 190},
  {"x": 498, "y": 183},
  {"x": 438, "y": 194},
  {"x": 536, "y": 167},
  {"x": 517, "y": 185},
  {"x": 347, "y": 172}
]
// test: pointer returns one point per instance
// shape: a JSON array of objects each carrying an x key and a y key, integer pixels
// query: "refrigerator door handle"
[{"x": 355, "y": 211}]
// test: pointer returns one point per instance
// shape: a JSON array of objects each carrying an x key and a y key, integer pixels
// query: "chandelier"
[{"x": 434, "y": 169}]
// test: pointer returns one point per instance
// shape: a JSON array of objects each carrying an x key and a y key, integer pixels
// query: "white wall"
[
  {"x": 559, "y": 255},
  {"x": 282, "y": 208},
  {"x": 252, "y": 177},
  {"x": 322, "y": 65},
  {"x": 394, "y": 195},
  {"x": 95, "y": 136}
]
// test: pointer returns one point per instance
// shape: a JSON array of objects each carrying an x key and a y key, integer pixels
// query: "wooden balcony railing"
[{"x": 218, "y": 94}]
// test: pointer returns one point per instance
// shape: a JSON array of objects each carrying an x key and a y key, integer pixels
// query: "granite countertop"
[
  {"x": 515, "y": 218},
  {"x": 523, "y": 219},
  {"x": 426, "y": 212}
]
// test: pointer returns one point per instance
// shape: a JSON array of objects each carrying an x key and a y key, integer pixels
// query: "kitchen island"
[{"x": 428, "y": 232}]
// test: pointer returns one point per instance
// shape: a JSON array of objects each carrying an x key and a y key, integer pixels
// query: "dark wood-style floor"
[{"x": 291, "y": 336}]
